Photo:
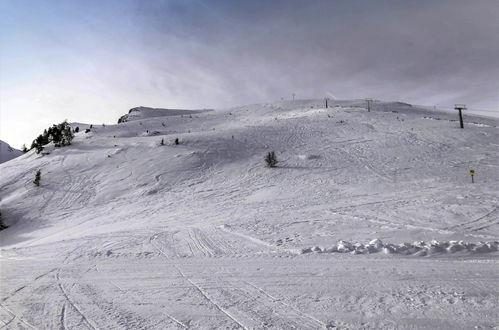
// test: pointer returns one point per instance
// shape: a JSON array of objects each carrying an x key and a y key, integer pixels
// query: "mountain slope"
[
  {"x": 117, "y": 206},
  {"x": 7, "y": 152},
  {"x": 146, "y": 112}
]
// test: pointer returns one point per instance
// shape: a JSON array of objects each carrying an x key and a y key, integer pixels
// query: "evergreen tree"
[
  {"x": 67, "y": 135},
  {"x": 176, "y": 141},
  {"x": 38, "y": 176},
  {"x": 162, "y": 142},
  {"x": 2, "y": 225},
  {"x": 271, "y": 159},
  {"x": 60, "y": 134},
  {"x": 38, "y": 144}
]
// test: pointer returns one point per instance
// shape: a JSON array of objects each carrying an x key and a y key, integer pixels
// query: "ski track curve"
[{"x": 257, "y": 308}]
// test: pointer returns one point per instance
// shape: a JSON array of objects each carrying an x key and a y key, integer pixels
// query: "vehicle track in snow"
[
  {"x": 255, "y": 307},
  {"x": 26, "y": 285},
  {"x": 71, "y": 304},
  {"x": 485, "y": 221},
  {"x": 14, "y": 317},
  {"x": 195, "y": 286},
  {"x": 209, "y": 242},
  {"x": 363, "y": 160},
  {"x": 305, "y": 320},
  {"x": 134, "y": 298}
]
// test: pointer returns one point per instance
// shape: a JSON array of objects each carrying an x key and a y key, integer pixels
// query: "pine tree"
[
  {"x": 176, "y": 141},
  {"x": 60, "y": 134},
  {"x": 271, "y": 159},
  {"x": 2, "y": 225},
  {"x": 38, "y": 144},
  {"x": 38, "y": 176},
  {"x": 67, "y": 135}
]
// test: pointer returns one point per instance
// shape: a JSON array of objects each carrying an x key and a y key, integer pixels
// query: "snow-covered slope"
[
  {"x": 7, "y": 152},
  {"x": 146, "y": 112},
  {"x": 370, "y": 220}
]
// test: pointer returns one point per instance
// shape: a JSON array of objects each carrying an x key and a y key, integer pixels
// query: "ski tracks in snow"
[
  {"x": 136, "y": 301},
  {"x": 68, "y": 300},
  {"x": 72, "y": 304},
  {"x": 243, "y": 303},
  {"x": 15, "y": 316},
  {"x": 487, "y": 220}
]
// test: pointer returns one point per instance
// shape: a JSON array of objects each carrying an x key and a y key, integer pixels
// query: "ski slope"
[{"x": 369, "y": 221}]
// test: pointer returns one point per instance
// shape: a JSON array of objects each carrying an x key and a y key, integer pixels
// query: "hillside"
[
  {"x": 7, "y": 152},
  {"x": 364, "y": 211},
  {"x": 146, "y": 112}
]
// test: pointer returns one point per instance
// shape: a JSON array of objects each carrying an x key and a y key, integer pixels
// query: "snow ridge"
[
  {"x": 7, "y": 152},
  {"x": 420, "y": 248},
  {"x": 141, "y": 112}
]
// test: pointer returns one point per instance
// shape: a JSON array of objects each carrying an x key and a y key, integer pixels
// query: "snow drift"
[{"x": 420, "y": 248}]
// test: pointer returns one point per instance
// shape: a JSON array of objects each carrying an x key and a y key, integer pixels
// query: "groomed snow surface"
[{"x": 369, "y": 221}]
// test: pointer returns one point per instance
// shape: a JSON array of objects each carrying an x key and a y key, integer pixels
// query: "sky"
[{"x": 91, "y": 61}]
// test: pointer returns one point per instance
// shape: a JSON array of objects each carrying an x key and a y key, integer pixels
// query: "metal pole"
[
  {"x": 460, "y": 108},
  {"x": 472, "y": 173}
]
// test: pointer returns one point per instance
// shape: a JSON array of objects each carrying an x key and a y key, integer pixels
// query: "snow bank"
[
  {"x": 417, "y": 248},
  {"x": 308, "y": 157}
]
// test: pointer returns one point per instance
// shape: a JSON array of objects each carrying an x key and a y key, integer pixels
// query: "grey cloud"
[{"x": 270, "y": 50}]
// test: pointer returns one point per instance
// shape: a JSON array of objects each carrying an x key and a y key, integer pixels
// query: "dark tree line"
[
  {"x": 2, "y": 225},
  {"x": 60, "y": 134}
]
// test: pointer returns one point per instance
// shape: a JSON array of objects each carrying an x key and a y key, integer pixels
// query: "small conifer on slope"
[
  {"x": 38, "y": 176},
  {"x": 271, "y": 159}
]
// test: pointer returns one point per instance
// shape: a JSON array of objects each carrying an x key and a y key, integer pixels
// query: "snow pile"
[
  {"x": 420, "y": 248},
  {"x": 308, "y": 157},
  {"x": 7, "y": 152},
  {"x": 146, "y": 112}
]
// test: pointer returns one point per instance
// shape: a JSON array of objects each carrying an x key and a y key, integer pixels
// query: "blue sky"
[{"x": 91, "y": 61}]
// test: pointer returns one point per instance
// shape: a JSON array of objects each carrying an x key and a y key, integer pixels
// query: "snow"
[
  {"x": 369, "y": 221},
  {"x": 420, "y": 248},
  {"x": 7, "y": 152},
  {"x": 139, "y": 113}
]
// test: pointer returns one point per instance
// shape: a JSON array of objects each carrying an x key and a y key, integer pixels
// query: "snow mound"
[
  {"x": 7, "y": 152},
  {"x": 146, "y": 112},
  {"x": 308, "y": 157},
  {"x": 420, "y": 248}
]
